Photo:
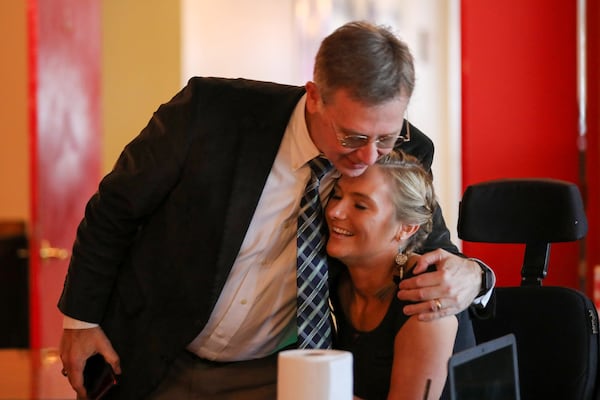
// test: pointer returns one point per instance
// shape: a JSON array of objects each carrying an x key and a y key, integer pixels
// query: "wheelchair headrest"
[{"x": 534, "y": 210}]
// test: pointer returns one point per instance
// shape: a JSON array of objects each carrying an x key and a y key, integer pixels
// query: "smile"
[{"x": 341, "y": 231}]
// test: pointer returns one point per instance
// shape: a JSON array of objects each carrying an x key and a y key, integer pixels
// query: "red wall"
[
  {"x": 520, "y": 115},
  {"x": 64, "y": 82},
  {"x": 593, "y": 148}
]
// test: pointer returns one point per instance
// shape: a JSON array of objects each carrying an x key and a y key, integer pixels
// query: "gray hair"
[
  {"x": 367, "y": 60},
  {"x": 413, "y": 195}
]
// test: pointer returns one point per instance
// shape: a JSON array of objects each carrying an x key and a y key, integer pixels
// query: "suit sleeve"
[{"x": 141, "y": 179}]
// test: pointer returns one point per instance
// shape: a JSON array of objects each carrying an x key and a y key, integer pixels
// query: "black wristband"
[{"x": 486, "y": 279}]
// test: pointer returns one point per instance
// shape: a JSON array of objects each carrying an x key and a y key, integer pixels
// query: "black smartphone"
[{"x": 98, "y": 377}]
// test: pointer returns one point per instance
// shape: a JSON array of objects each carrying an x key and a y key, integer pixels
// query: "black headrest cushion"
[{"x": 537, "y": 210}]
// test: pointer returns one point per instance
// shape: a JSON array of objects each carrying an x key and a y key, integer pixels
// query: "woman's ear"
[{"x": 406, "y": 231}]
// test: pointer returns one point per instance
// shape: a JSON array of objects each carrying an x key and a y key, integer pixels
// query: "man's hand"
[
  {"x": 447, "y": 291},
  {"x": 76, "y": 346}
]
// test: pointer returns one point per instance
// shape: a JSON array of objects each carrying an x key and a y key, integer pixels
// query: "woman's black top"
[{"x": 373, "y": 351}]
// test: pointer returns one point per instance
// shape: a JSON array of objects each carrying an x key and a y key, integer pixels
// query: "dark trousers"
[{"x": 191, "y": 377}]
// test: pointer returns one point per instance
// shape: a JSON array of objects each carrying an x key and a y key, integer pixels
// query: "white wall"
[
  {"x": 231, "y": 38},
  {"x": 276, "y": 40},
  {"x": 432, "y": 30}
]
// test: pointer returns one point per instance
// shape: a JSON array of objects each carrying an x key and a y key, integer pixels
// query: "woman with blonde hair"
[{"x": 377, "y": 221}]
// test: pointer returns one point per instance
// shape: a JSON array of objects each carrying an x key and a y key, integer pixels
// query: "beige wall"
[
  {"x": 14, "y": 143},
  {"x": 140, "y": 70},
  {"x": 140, "y": 67}
]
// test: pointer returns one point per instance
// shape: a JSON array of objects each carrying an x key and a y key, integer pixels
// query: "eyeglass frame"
[{"x": 366, "y": 139}]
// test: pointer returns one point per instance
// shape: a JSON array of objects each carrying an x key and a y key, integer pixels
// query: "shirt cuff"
[
  {"x": 483, "y": 300},
  {"x": 72, "y": 323}
]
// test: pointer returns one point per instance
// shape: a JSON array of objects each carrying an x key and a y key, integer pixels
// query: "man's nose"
[{"x": 368, "y": 154}]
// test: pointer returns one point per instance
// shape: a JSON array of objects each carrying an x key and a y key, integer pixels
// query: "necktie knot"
[{"x": 319, "y": 166}]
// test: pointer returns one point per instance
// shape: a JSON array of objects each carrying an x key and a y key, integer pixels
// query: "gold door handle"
[{"x": 47, "y": 252}]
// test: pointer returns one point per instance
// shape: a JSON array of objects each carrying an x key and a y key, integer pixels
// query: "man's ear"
[
  {"x": 313, "y": 97},
  {"x": 406, "y": 231}
]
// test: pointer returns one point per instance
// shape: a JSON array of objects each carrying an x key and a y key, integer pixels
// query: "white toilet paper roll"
[{"x": 314, "y": 375}]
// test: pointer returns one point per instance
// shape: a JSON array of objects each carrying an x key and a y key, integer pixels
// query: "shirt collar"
[{"x": 302, "y": 147}]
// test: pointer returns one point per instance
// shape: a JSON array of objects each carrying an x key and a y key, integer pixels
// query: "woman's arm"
[{"x": 421, "y": 352}]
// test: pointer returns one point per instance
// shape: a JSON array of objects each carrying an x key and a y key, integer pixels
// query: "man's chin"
[{"x": 353, "y": 172}]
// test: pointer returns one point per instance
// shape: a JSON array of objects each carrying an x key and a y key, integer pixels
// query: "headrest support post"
[{"x": 535, "y": 264}]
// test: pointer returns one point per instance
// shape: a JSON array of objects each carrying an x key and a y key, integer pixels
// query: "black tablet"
[{"x": 487, "y": 371}]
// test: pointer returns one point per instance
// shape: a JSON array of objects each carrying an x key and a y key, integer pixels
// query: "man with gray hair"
[{"x": 183, "y": 274}]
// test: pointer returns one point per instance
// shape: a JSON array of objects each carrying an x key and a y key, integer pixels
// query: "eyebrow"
[
  {"x": 362, "y": 196},
  {"x": 338, "y": 188},
  {"x": 351, "y": 132}
]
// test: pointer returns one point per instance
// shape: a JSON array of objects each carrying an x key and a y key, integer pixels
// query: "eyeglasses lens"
[{"x": 356, "y": 141}]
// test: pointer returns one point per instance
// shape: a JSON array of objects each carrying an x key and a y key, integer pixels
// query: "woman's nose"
[{"x": 335, "y": 210}]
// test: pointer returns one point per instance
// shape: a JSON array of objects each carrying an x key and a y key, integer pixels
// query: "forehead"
[
  {"x": 373, "y": 183},
  {"x": 352, "y": 115}
]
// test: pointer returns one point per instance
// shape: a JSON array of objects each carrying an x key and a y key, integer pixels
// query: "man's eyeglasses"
[{"x": 381, "y": 142}]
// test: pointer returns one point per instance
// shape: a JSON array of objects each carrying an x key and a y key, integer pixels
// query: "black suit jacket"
[{"x": 159, "y": 237}]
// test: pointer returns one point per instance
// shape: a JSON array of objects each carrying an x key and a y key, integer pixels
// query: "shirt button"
[{"x": 244, "y": 301}]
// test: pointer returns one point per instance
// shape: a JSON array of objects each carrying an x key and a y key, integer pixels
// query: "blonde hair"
[{"x": 413, "y": 195}]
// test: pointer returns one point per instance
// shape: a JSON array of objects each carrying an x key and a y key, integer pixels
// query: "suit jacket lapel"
[{"x": 261, "y": 136}]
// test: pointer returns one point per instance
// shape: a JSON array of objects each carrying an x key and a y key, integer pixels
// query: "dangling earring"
[{"x": 400, "y": 260}]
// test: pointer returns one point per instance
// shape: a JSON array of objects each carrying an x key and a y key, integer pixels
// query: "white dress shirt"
[{"x": 256, "y": 312}]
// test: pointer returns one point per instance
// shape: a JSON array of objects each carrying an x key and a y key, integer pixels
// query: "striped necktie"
[{"x": 314, "y": 328}]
